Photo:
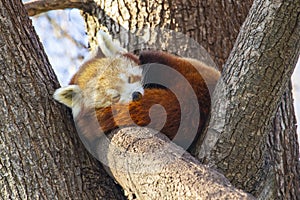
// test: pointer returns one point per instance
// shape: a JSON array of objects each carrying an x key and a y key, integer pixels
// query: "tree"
[{"x": 274, "y": 134}]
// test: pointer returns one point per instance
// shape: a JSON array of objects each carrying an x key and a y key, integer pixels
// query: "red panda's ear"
[
  {"x": 67, "y": 94},
  {"x": 107, "y": 47}
]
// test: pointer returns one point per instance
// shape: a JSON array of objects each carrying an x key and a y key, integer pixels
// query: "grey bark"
[
  {"x": 148, "y": 166},
  {"x": 283, "y": 179},
  {"x": 40, "y": 153}
]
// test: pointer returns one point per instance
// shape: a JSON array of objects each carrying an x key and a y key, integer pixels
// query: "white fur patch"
[{"x": 129, "y": 88}]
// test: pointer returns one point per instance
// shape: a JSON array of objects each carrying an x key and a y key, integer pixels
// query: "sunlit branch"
[{"x": 36, "y": 7}]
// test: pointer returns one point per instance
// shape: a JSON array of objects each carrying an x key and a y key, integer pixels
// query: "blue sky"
[{"x": 63, "y": 36}]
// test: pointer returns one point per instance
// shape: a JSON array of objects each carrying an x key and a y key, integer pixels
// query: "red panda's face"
[
  {"x": 103, "y": 82},
  {"x": 114, "y": 82}
]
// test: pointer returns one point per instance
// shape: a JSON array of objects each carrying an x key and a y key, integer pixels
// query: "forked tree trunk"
[{"x": 213, "y": 25}]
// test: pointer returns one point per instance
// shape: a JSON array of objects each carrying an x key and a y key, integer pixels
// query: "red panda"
[{"x": 124, "y": 90}]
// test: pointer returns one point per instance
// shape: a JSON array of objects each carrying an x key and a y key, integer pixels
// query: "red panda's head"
[{"x": 103, "y": 81}]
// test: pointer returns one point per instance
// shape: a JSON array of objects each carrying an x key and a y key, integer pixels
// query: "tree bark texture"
[
  {"x": 282, "y": 154},
  {"x": 149, "y": 166},
  {"x": 40, "y": 153},
  {"x": 255, "y": 78},
  {"x": 36, "y": 7},
  {"x": 213, "y": 24}
]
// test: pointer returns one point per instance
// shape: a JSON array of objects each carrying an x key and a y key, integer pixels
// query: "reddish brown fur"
[
  {"x": 111, "y": 118},
  {"x": 132, "y": 57}
]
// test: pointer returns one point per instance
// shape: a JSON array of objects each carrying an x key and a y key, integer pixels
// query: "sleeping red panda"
[{"x": 124, "y": 90}]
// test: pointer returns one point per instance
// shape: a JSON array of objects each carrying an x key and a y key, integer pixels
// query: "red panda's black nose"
[{"x": 136, "y": 96}]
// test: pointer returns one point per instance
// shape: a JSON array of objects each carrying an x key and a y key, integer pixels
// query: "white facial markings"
[
  {"x": 131, "y": 73},
  {"x": 114, "y": 83}
]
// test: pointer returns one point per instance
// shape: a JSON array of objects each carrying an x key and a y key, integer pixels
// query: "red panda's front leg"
[{"x": 144, "y": 112}]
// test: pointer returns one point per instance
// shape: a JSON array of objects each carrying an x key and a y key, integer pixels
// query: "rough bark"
[
  {"x": 40, "y": 153},
  {"x": 282, "y": 154},
  {"x": 255, "y": 78},
  {"x": 36, "y": 7},
  {"x": 212, "y": 24},
  {"x": 148, "y": 166}
]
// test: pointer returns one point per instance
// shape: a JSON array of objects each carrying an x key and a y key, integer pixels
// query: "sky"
[
  {"x": 296, "y": 94},
  {"x": 63, "y": 36},
  {"x": 61, "y": 31}
]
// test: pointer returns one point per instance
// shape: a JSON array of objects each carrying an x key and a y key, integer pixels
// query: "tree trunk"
[
  {"x": 41, "y": 155},
  {"x": 255, "y": 78},
  {"x": 282, "y": 154}
]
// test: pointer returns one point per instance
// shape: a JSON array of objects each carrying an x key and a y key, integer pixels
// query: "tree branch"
[
  {"x": 36, "y": 7},
  {"x": 149, "y": 167}
]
